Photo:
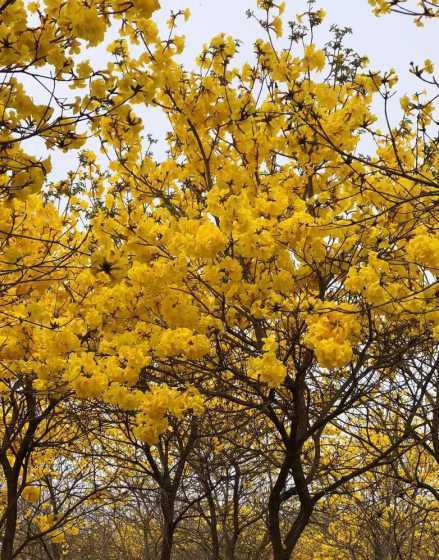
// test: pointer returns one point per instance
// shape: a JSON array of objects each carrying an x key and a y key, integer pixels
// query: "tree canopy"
[{"x": 232, "y": 351}]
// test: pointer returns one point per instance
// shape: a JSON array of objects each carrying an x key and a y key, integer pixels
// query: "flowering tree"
[{"x": 266, "y": 270}]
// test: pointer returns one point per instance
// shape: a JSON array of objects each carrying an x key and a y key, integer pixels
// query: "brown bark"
[
  {"x": 11, "y": 519},
  {"x": 167, "y": 506}
]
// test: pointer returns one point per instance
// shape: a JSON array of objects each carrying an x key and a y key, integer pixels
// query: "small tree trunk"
[
  {"x": 230, "y": 550},
  {"x": 56, "y": 551},
  {"x": 167, "y": 506},
  {"x": 167, "y": 545},
  {"x": 213, "y": 525},
  {"x": 11, "y": 521}
]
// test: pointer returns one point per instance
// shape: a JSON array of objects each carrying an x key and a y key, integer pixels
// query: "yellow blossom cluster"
[
  {"x": 267, "y": 368},
  {"x": 332, "y": 332},
  {"x": 423, "y": 249}
]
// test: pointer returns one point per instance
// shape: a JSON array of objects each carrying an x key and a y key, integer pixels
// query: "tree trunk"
[
  {"x": 167, "y": 545},
  {"x": 10, "y": 522},
  {"x": 283, "y": 548},
  {"x": 56, "y": 551},
  {"x": 274, "y": 503},
  {"x": 230, "y": 550},
  {"x": 167, "y": 506},
  {"x": 213, "y": 526}
]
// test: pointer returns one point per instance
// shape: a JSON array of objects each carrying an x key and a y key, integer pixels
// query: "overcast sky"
[{"x": 390, "y": 41}]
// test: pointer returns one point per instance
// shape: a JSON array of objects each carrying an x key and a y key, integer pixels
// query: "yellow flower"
[
  {"x": 314, "y": 59},
  {"x": 428, "y": 66},
  {"x": 267, "y": 368},
  {"x": 31, "y": 493}
]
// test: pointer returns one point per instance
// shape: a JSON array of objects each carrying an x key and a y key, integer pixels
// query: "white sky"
[{"x": 390, "y": 41}]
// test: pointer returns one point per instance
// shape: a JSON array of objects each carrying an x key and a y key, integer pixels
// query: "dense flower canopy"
[{"x": 237, "y": 342}]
